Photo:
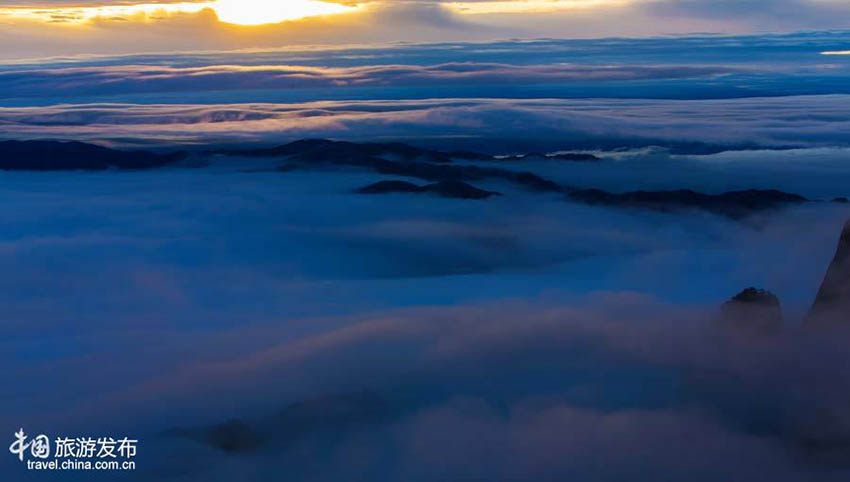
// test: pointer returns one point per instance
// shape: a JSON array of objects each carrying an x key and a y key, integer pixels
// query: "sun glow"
[
  {"x": 529, "y": 6},
  {"x": 75, "y": 15},
  {"x": 259, "y": 12},
  {"x": 262, "y": 12},
  {"x": 238, "y": 12}
]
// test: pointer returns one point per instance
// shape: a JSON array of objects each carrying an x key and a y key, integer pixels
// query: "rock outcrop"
[
  {"x": 320, "y": 416},
  {"x": 753, "y": 313},
  {"x": 832, "y": 304}
]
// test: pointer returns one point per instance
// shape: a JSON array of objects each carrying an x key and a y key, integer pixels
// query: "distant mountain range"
[
  {"x": 450, "y": 189},
  {"x": 449, "y": 172},
  {"x": 74, "y": 156}
]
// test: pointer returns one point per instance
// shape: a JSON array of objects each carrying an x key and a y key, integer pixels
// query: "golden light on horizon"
[
  {"x": 262, "y": 12},
  {"x": 259, "y": 12},
  {"x": 237, "y": 12},
  {"x": 72, "y": 15},
  {"x": 528, "y": 6}
]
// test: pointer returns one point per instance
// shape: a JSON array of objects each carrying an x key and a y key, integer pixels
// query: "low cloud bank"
[
  {"x": 688, "y": 126},
  {"x": 136, "y": 79}
]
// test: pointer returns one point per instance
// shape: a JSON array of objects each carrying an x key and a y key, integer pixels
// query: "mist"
[{"x": 550, "y": 336}]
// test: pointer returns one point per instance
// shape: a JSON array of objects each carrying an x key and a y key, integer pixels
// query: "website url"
[{"x": 57, "y": 464}]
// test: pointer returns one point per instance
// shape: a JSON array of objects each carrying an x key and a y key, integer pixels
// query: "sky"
[
  {"x": 44, "y": 28},
  {"x": 494, "y": 75}
]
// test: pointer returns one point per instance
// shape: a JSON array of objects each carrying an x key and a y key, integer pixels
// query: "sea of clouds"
[
  {"x": 497, "y": 126},
  {"x": 521, "y": 337},
  {"x": 697, "y": 93}
]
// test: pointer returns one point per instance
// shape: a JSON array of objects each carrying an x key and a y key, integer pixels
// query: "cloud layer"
[
  {"x": 136, "y": 79},
  {"x": 752, "y": 91},
  {"x": 557, "y": 124}
]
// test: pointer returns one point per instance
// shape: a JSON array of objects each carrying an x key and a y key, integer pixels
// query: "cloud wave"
[{"x": 738, "y": 123}]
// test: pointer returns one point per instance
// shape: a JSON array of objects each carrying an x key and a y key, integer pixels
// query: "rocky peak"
[
  {"x": 832, "y": 304},
  {"x": 752, "y": 312}
]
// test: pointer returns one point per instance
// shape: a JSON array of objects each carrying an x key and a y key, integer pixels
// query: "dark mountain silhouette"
[
  {"x": 71, "y": 156},
  {"x": 387, "y": 187},
  {"x": 326, "y": 414},
  {"x": 569, "y": 156},
  {"x": 394, "y": 159},
  {"x": 574, "y": 157},
  {"x": 323, "y": 149},
  {"x": 449, "y": 189},
  {"x": 319, "y": 149},
  {"x": 752, "y": 312},
  {"x": 231, "y": 436},
  {"x": 469, "y": 156},
  {"x": 734, "y": 204},
  {"x": 832, "y": 304},
  {"x": 403, "y": 160}
]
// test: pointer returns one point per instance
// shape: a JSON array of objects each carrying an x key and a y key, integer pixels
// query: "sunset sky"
[
  {"x": 224, "y": 71},
  {"x": 39, "y": 28}
]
